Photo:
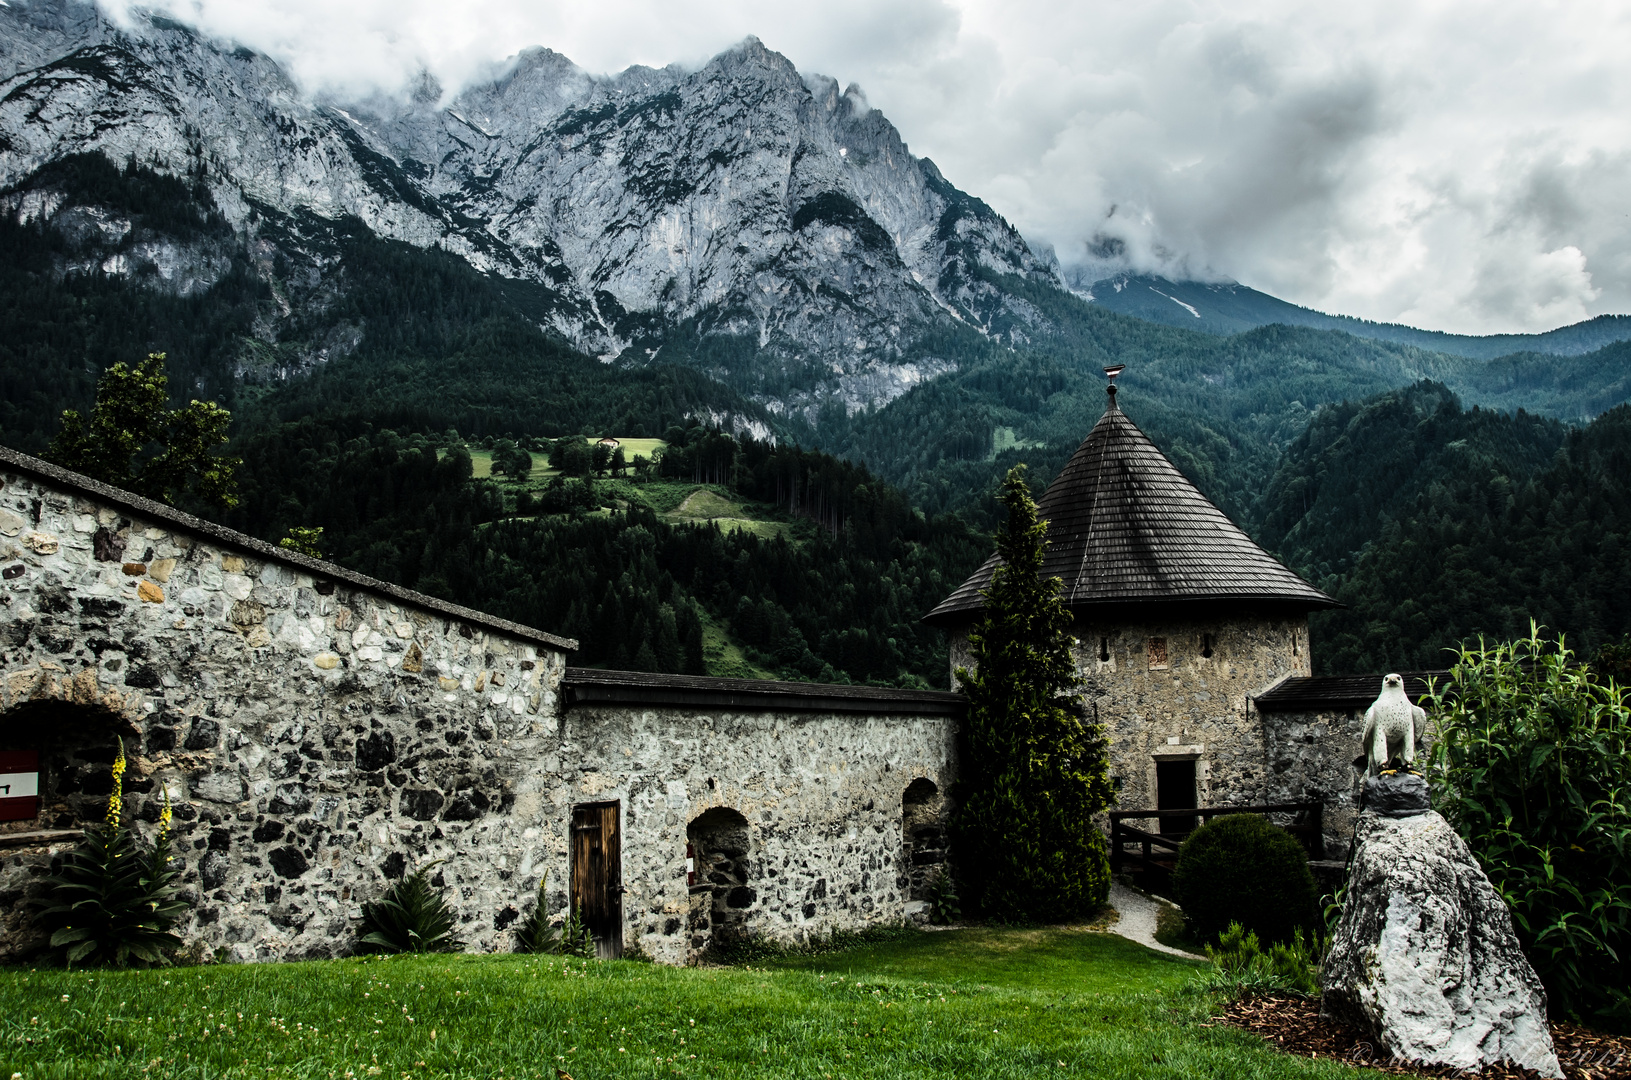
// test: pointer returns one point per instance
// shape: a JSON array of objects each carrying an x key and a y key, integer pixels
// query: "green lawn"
[{"x": 976, "y": 1002}]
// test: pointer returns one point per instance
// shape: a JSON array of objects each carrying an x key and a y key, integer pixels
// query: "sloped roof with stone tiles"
[{"x": 1125, "y": 526}]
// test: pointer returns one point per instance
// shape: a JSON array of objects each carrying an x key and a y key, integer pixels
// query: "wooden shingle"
[{"x": 1125, "y": 526}]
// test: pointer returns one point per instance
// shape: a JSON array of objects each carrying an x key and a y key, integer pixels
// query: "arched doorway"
[
  {"x": 71, "y": 748},
  {"x": 923, "y": 836},
  {"x": 720, "y": 876},
  {"x": 56, "y": 772}
]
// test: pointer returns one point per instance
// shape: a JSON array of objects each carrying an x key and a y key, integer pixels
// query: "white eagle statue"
[{"x": 1392, "y": 726}]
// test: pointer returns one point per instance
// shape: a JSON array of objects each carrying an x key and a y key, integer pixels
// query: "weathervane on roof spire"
[{"x": 1111, "y": 373}]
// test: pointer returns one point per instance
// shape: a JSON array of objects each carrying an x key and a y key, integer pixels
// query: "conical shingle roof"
[{"x": 1125, "y": 526}]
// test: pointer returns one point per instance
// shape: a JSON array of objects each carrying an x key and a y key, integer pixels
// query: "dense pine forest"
[
  {"x": 1437, "y": 524},
  {"x": 835, "y": 594}
]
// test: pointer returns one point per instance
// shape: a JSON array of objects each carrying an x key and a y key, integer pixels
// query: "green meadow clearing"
[
  {"x": 676, "y": 501},
  {"x": 974, "y": 1002},
  {"x": 481, "y": 461}
]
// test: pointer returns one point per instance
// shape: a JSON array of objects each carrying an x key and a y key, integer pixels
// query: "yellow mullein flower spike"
[
  {"x": 116, "y": 799},
  {"x": 164, "y": 822}
]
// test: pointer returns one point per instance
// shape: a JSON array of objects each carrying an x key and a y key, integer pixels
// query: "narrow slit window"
[
  {"x": 1208, "y": 642},
  {"x": 1104, "y": 650}
]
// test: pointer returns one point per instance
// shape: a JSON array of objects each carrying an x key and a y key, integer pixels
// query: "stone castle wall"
[
  {"x": 820, "y": 792},
  {"x": 320, "y": 734},
  {"x": 1160, "y": 697}
]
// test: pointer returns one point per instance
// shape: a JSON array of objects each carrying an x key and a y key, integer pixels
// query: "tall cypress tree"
[{"x": 1033, "y": 765}]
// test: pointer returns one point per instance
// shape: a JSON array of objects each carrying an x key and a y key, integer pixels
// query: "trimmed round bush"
[{"x": 1241, "y": 868}]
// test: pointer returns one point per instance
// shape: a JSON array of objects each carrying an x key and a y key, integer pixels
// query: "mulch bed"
[{"x": 1293, "y": 1024}]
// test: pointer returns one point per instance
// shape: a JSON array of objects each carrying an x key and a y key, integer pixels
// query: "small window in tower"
[
  {"x": 1157, "y": 651},
  {"x": 1208, "y": 642},
  {"x": 1104, "y": 650}
]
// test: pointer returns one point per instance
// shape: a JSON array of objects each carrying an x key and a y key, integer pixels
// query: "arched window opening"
[
  {"x": 65, "y": 752},
  {"x": 721, "y": 872},
  {"x": 923, "y": 836}
]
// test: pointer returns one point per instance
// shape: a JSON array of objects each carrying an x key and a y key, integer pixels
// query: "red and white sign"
[{"x": 19, "y": 785}]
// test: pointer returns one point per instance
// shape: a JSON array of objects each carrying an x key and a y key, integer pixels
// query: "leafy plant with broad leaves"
[
  {"x": 412, "y": 917},
  {"x": 1240, "y": 967},
  {"x": 1532, "y": 765},
  {"x": 941, "y": 894},
  {"x": 1035, "y": 765},
  {"x": 537, "y": 934},
  {"x": 111, "y": 902}
]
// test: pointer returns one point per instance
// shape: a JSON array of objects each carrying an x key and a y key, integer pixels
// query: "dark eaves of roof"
[
  {"x": 1125, "y": 526},
  {"x": 1323, "y": 693},
  {"x": 209, "y": 530},
  {"x": 592, "y": 686}
]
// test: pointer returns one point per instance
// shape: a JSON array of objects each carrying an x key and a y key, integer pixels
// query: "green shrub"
[
  {"x": 1242, "y": 869},
  {"x": 1532, "y": 765},
  {"x": 111, "y": 902},
  {"x": 412, "y": 917},
  {"x": 1241, "y": 967}
]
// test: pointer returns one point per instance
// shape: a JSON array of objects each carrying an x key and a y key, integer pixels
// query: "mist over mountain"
[{"x": 1228, "y": 307}]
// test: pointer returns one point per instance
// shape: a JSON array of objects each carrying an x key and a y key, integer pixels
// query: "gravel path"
[{"x": 1137, "y": 922}]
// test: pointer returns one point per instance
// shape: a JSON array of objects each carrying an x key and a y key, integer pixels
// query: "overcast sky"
[{"x": 1460, "y": 166}]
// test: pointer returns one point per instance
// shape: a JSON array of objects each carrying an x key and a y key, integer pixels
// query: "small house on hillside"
[{"x": 609, "y": 443}]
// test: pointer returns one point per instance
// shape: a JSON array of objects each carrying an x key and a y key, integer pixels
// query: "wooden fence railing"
[{"x": 1309, "y": 827}]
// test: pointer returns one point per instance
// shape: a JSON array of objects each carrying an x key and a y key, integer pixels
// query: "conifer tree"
[{"x": 1033, "y": 764}]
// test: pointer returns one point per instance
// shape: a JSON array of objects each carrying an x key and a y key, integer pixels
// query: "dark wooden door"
[
  {"x": 597, "y": 874},
  {"x": 1175, "y": 790}
]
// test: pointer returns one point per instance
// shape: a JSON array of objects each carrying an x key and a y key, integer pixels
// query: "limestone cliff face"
[{"x": 742, "y": 205}]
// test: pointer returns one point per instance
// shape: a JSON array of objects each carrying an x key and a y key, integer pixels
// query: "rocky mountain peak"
[{"x": 760, "y": 223}]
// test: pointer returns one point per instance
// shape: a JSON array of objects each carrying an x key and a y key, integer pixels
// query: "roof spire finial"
[{"x": 1111, "y": 373}]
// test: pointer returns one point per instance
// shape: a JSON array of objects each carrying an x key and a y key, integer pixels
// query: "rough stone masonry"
[{"x": 321, "y": 734}]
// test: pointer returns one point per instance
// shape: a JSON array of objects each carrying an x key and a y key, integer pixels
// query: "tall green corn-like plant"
[
  {"x": 412, "y": 917},
  {"x": 1532, "y": 764},
  {"x": 537, "y": 935}
]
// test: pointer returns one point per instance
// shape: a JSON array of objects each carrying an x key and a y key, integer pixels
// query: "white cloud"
[{"x": 1460, "y": 164}]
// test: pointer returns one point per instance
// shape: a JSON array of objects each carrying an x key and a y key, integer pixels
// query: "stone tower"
[{"x": 1180, "y": 620}]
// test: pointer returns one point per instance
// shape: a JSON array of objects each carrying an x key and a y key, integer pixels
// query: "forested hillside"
[
  {"x": 1223, "y": 408},
  {"x": 835, "y": 595},
  {"x": 1436, "y": 524},
  {"x": 1229, "y": 308}
]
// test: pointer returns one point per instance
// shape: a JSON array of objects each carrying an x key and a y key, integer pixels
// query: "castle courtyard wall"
[
  {"x": 320, "y": 734},
  {"x": 821, "y": 794}
]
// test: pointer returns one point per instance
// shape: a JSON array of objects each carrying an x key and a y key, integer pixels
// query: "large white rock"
[{"x": 1425, "y": 955}]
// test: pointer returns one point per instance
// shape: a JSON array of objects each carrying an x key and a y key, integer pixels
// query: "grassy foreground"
[{"x": 976, "y": 1002}]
